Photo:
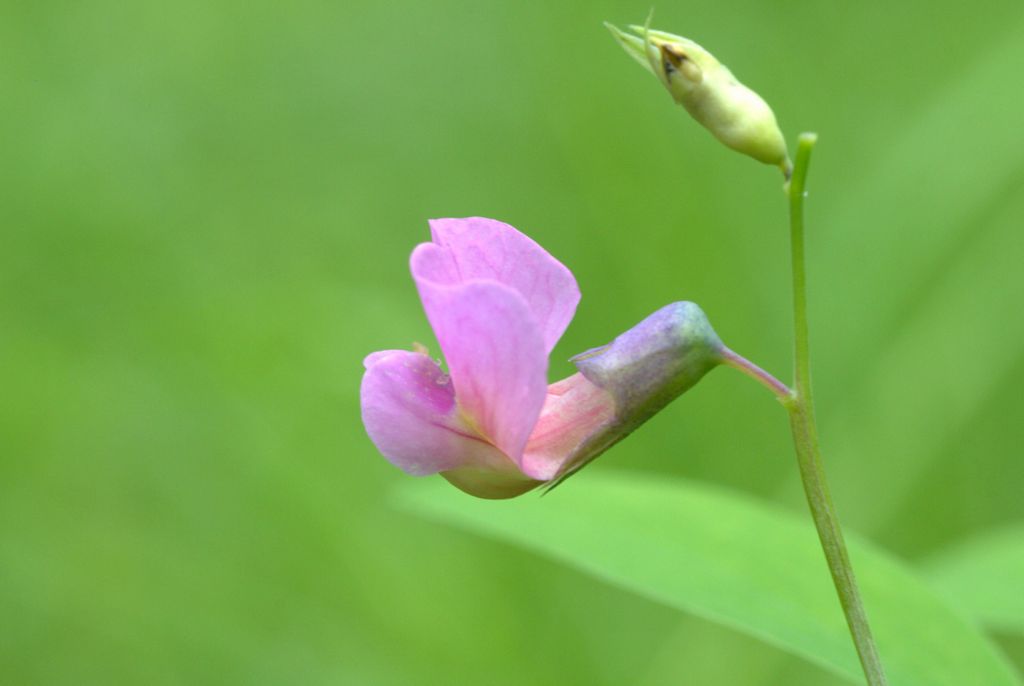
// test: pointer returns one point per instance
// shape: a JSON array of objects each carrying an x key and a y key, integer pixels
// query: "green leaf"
[
  {"x": 985, "y": 577},
  {"x": 730, "y": 559}
]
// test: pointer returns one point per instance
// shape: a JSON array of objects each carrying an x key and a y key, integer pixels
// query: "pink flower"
[{"x": 498, "y": 303}]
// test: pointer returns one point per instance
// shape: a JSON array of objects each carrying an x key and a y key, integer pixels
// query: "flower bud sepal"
[{"x": 646, "y": 368}]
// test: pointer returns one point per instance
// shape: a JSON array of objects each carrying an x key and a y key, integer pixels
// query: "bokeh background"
[{"x": 205, "y": 219}]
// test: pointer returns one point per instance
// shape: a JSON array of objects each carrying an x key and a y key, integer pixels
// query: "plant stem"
[
  {"x": 736, "y": 361},
  {"x": 805, "y": 435}
]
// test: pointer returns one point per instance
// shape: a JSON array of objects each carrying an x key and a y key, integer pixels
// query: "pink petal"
[
  {"x": 495, "y": 354},
  {"x": 575, "y": 410},
  {"x": 485, "y": 249},
  {"x": 410, "y": 414}
]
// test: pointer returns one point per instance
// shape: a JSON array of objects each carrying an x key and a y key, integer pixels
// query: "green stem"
[{"x": 805, "y": 436}]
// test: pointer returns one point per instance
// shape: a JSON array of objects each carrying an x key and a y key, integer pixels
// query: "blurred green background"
[{"x": 205, "y": 220}]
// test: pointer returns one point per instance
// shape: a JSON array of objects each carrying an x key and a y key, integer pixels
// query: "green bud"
[{"x": 734, "y": 114}]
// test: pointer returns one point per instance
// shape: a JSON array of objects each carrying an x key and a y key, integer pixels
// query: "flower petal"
[
  {"x": 495, "y": 355},
  {"x": 576, "y": 412},
  {"x": 486, "y": 249},
  {"x": 410, "y": 414}
]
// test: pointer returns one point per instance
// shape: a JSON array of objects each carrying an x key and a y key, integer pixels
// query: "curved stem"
[
  {"x": 805, "y": 436},
  {"x": 736, "y": 361}
]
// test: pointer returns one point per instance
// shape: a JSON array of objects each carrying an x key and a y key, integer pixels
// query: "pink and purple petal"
[
  {"x": 476, "y": 248},
  {"x": 409, "y": 411},
  {"x": 575, "y": 412},
  {"x": 495, "y": 354}
]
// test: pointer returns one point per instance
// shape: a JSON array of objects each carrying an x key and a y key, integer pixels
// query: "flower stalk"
[
  {"x": 799, "y": 403},
  {"x": 782, "y": 392},
  {"x": 805, "y": 435}
]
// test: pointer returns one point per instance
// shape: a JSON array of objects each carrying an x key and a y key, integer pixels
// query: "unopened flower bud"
[{"x": 734, "y": 114}]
